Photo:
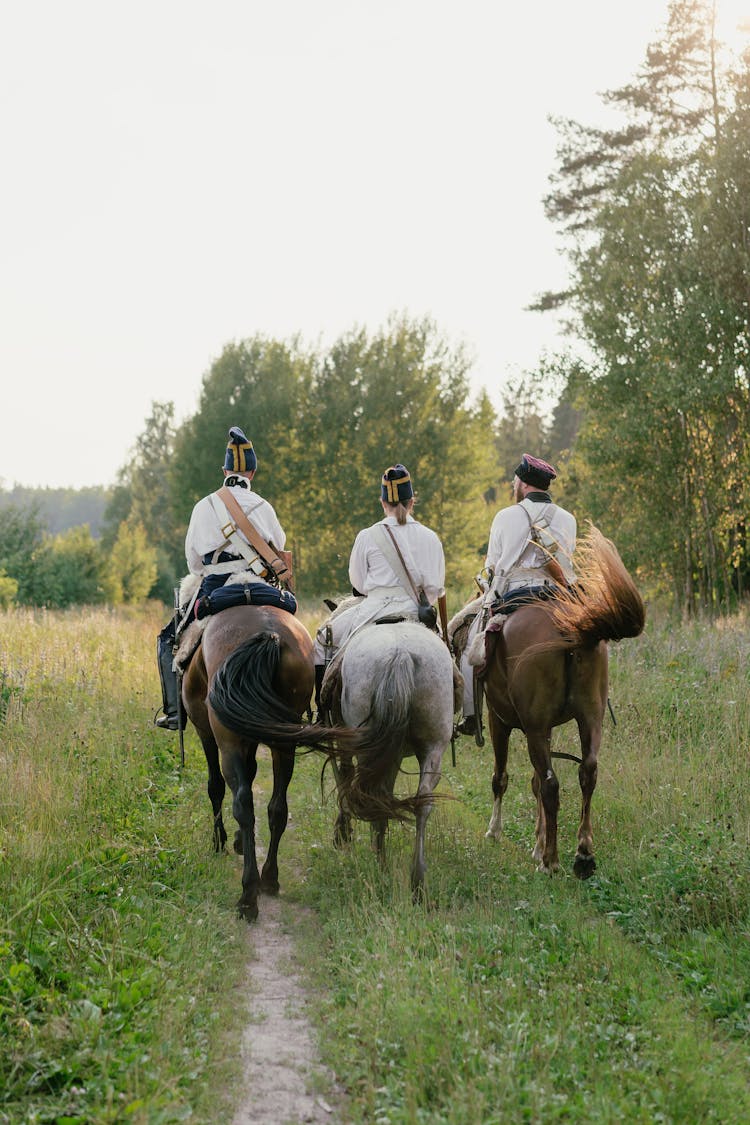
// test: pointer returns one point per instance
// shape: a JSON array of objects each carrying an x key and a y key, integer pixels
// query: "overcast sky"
[{"x": 180, "y": 175}]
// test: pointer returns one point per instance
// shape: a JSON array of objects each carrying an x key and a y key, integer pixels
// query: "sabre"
[
  {"x": 443, "y": 610},
  {"x": 180, "y": 723}
]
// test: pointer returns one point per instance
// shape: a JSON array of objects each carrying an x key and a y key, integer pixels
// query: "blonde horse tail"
[{"x": 605, "y": 604}]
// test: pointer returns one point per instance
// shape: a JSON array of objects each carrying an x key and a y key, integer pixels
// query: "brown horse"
[
  {"x": 250, "y": 682},
  {"x": 548, "y": 664}
]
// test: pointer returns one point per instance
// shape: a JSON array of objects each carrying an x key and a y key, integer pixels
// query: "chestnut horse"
[
  {"x": 546, "y": 665},
  {"x": 250, "y": 681}
]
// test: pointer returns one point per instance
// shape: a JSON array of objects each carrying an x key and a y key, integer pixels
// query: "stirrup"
[
  {"x": 167, "y": 722},
  {"x": 468, "y": 725}
]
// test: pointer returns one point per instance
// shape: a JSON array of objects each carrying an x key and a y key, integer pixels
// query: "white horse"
[{"x": 399, "y": 683}]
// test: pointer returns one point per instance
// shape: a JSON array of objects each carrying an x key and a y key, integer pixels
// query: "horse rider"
[
  {"x": 396, "y": 569},
  {"x": 214, "y": 552},
  {"x": 529, "y": 555}
]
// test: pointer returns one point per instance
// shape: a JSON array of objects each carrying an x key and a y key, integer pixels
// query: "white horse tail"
[
  {"x": 369, "y": 790},
  {"x": 392, "y": 698}
]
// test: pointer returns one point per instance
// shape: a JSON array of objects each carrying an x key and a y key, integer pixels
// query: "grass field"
[{"x": 511, "y": 997}]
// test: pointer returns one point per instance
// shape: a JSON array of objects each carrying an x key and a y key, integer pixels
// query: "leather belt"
[{"x": 222, "y": 558}]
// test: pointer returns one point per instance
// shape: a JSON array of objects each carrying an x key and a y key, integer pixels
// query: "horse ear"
[{"x": 331, "y": 605}]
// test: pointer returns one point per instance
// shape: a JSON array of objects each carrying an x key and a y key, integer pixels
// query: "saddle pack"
[{"x": 254, "y": 593}]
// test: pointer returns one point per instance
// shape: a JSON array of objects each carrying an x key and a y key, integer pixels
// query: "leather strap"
[{"x": 265, "y": 550}]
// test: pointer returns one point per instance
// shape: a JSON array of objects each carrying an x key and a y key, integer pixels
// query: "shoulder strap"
[
  {"x": 389, "y": 547},
  {"x": 256, "y": 540},
  {"x": 231, "y": 535},
  {"x": 544, "y": 542}
]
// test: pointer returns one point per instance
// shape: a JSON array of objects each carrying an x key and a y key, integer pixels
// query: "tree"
[
  {"x": 65, "y": 570},
  {"x": 144, "y": 495},
  {"x": 130, "y": 570},
  {"x": 399, "y": 395},
  {"x": 660, "y": 274},
  {"x": 21, "y": 532},
  {"x": 8, "y": 590}
]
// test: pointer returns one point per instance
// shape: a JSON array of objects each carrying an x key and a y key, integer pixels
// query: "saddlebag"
[{"x": 253, "y": 593}]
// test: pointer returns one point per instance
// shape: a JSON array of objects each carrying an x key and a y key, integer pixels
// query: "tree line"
[
  {"x": 655, "y": 216},
  {"x": 649, "y": 428}
]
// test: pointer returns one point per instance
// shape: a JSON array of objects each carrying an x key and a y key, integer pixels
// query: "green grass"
[{"x": 510, "y": 997}]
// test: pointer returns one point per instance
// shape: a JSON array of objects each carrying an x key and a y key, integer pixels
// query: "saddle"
[{"x": 243, "y": 588}]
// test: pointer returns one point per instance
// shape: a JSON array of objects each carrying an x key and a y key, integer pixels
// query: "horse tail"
[
  {"x": 604, "y": 605},
  {"x": 245, "y": 700},
  {"x": 368, "y": 790}
]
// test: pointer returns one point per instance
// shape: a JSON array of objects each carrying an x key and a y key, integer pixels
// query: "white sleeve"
[{"x": 358, "y": 561}]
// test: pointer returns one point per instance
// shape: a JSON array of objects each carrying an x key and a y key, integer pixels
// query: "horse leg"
[
  {"x": 216, "y": 789},
  {"x": 584, "y": 863},
  {"x": 429, "y": 776},
  {"x": 239, "y": 768},
  {"x": 278, "y": 816},
  {"x": 546, "y": 789},
  {"x": 539, "y": 830},
  {"x": 342, "y": 829},
  {"x": 379, "y": 826},
  {"x": 500, "y": 735}
]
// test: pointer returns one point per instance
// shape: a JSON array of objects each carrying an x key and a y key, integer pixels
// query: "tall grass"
[
  {"x": 114, "y": 966},
  {"x": 510, "y": 997}
]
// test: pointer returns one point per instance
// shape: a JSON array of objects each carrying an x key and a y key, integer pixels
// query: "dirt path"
[{"x": 279, "y": 1056}]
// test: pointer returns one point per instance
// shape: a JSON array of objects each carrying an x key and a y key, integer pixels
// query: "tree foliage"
[
  {"x": 659, "y": 248},
  {"x": 130, "y": 569}
]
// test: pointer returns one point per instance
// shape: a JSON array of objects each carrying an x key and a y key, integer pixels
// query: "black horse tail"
[
  {"x": 368, "y": 790},
  {"x": 246, "y": 702}
]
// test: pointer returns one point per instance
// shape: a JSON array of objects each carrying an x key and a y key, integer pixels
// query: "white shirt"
[
  {"x": 422, "y": 552},
  {"x": 204, "y": 531},
  {"x": 510, "y": 531}
]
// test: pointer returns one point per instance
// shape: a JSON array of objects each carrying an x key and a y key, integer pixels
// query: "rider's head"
[
  {"x": 396, "y": 492},
  {"x": 532, "y": 475},
  {"x": 240, "y": 459}
]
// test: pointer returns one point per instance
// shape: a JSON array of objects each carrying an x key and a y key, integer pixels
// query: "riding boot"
[
  {"x": 468, "y": 725},
  {"x": 320, "y": 671},
  {"x": 169, "y": 687}
]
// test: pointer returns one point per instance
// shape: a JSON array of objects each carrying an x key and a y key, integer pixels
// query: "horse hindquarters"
[{"x": 397, "y": 681}]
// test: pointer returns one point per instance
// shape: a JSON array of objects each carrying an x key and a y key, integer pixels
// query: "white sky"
[{"x": 178, "y": 175}]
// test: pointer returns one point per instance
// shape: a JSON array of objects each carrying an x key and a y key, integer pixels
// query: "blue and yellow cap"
[
  {"x": 395, "y": 487},
  {"x": 240, "y": 456}
]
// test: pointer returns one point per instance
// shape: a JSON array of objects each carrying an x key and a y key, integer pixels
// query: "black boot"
[
  {"x": 169, "y": 688},
  {"x": 467, "y": 725}
]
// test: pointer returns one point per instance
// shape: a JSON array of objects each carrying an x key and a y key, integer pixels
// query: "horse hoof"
[
  {"x": 342, "y": 835},
  {"x": 584, "y": 866},
  {"x": 419, "y": 897},
  {"x": 247, "y": 910},
  {"x": 547, "y": 869},
  {"x": 238, "y": 843},
  {"x": 270, "y": 886}
]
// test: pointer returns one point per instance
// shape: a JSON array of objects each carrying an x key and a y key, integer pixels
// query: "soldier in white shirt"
[
  {"x": 213, "y": 555},
  {"x": 529, "y": 554},
  {"x": 384, "y": 586},
  {"x": 207, "y": 550}
]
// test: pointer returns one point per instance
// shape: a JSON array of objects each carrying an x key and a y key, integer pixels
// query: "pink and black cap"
[
  {"x": 535, "y": 472},
  {"x": 395, "y": 487},
  {"x": 240, "y": 456}
]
